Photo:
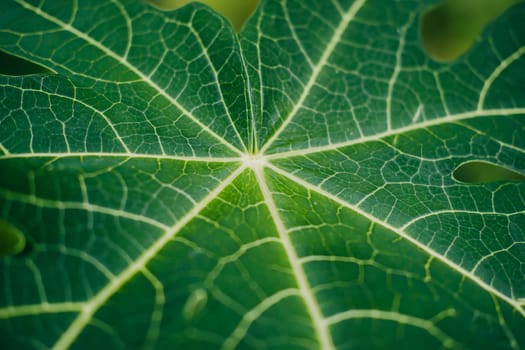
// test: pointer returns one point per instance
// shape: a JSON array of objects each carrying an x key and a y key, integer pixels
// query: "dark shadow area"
[
  {"x": 28, "y": 249},
  {"x": 476, "y": 172},
  {"x": 12, "y": 65}
]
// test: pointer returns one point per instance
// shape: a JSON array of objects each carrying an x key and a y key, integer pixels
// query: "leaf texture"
[{"x": 179, "y": 185}]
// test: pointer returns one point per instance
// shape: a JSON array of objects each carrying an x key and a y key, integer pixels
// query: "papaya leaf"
[{"x": 179, "y": 185}]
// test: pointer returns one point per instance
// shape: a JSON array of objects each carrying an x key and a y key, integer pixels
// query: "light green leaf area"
[{"x": 181, "y": 186}]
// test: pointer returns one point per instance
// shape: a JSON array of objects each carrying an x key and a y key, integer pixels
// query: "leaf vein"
[
  {"x": 403, "y": 235},
  {"x": 347, "y": 18},
  {"x": 124, "y": 62},
  {"x": 93, "y": 305}
]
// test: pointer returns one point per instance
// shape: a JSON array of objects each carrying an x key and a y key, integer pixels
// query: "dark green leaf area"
[
  {"x": 369, "y": 97},
  {"x": 414, "y": 190},
  {"x": 508, "y": 129},
  {"x": 162, "y": 190},
  {"x": 230, "y": 258},
  {"x": 296, "y": 38},
  {"x": 41, "y": 114},
  {"x": 123, "y": 45},
  {"x": 14, "y": 332},
  {"x": 465, "y": 238},
  {"x": 58, "y": 114},
  {"x": 41, "y": 276},
  {"x": 361, "y": 272},
  {"x": 408, "y": 175}
]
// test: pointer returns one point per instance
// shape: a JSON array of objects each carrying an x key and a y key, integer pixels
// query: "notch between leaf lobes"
[{"x": 477, "y": 172}]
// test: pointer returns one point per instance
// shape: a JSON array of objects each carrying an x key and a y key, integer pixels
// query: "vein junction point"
[{"x": 254, "y": 161}]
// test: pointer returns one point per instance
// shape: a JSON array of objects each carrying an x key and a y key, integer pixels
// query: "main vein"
[
  {"x": 323, "y": 334},
  {"x": 454, "y": 118},
  {"x": 60, "y": 155}
]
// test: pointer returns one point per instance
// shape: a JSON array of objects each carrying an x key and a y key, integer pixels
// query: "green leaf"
[{"x": 182, "y": 186}]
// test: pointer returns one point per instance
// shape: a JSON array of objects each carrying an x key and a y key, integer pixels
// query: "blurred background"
[
  {"x": 448, "y": 29},
  {"x": 237, "y": 11}
]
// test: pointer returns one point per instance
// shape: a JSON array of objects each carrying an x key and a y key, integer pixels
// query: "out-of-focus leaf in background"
[
  {"x": 450, "y": 28},
  {"x": 237, "y": 11}
]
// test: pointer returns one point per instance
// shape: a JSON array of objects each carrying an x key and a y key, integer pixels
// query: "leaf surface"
[{"x": 179, "y": 185}]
